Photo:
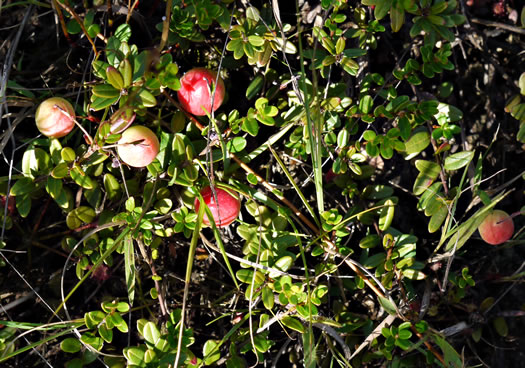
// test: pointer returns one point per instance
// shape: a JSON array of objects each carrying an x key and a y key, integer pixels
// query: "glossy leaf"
[
  {"x": 267, "y": 297},
  {"x": 70, "y": 345},
  {"x": 386, "y": 215},
  {"x": 417, "y": 143},
  {"x": 211, "y": 352},
  {"x": 293, "y": 323},
  {"x": 458, "y": 160}
]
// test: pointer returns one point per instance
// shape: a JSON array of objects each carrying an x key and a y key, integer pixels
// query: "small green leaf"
[
  {"x": 151, "y": 333},
  {"x": 458, "y": 160},
  {"x": 293, "y": 324},
  {"x": 366, "y": 103},
  {"x": 246, "y": 276},
  {"x": 253, "y": 14},
  {"x": 211, "y": 352},
  {"x": 343, "y": 137},
  {"x": 236, "y": 145},
  {"x": 255, "y": 40},
  {"x": 112, "y": 186},
  {"x": 126, "y": 69},
  {"x": 284, "y": 263},
  {"x": 501, "y": 326},
  {"x": 147, "y": 99},
  {"x": 262, "y": 343},
  {"x": 386, "y": 215},
  {"x": 267, "y": 297},
  {"x": 397, "y": 16},
  {"x": 375, "y": 260},
  {"x": 388, "y": 305},
  {"x": 93, "y": 318},
  {"x": 92, "y": 340},
  {"x": 369, "y": 135},
  {"x": 413, "y": 274},
  {"x": 82, "y": 179},
  {"x": 114, "y": 78},
  {"x": 130, "y": 204},
  {"x": 417, "y": 143},
  {"x": 370, "y": 241},
  {"x": 250, "y": 126},
  {"x": 106, "y": 90},
  {"x": 73, "y": 27},
  {"x": 100, "y": 103},
  {"x": 35, "y": 162},
  {"x": 22, "y": 186},
  {"x": 123, "y": 32},
  {"x": 93, "y": 30},
  {"x": 105, "y": 333},
  {"x": 403, "y": 344},
  {"x": 450, "y": 355},
  {"x": 23, "y": 205},
  {"x": 340, "y": 45},
  {"x": 429, "y": 171},
  {"x": 447, "y": 113},
  {"x": 68, "y": 154},
  {"x": 71, "y": 345},
  {"x": 85, "y": 214},
  {"x": 255, "y": 87},
  {"x": 381, "y": 8},
  {"x": 437, "y": 218},
  {"x": 135, "y": 355}
]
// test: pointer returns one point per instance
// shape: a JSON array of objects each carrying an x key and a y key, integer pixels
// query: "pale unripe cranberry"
[
  {"x": 55, "y": 117},
  {"x": 138, "y": 146},
  {"x": 194, "y": 93},
  {"x": 496, "y": 228},
  {"x": 225, "y": 210}
]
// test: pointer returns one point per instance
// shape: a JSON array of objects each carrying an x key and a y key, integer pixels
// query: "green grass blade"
[
  {"x": 296, "y": 187},
  {"x": 263, "y": 147},
  {"x": 189, "y": 266},
  {"x": 314, "y": 125},
  {"x": 129, "y": 267},
  {"x": 35, "y": 344}
]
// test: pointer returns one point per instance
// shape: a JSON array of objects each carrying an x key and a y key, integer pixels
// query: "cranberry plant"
[{"x": 292, "y": 137}]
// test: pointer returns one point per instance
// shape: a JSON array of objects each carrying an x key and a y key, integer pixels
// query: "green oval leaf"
[
  {"x": 267, "y": 297},
  {"x": 100, "y": 103},
  {"x": 106, "y": 90},
  {"x": 417, "y": 143},
  {"x": 293, "y": 324},
  {"x": 147, "y": 99},
  {"x": 255, "y": 87},
  {"x": 366, "y": 103},
  {"x": 114, "y": 78},
  {"x": 135, "y": 355},
  {"x": 151, "y": 333},
  {"x": 458, "y": 160},
  {"x": 22, "y": 186},
  {"x": 370, "y": 241},
  {"x": 126, "y": 69},
  {"x": 211, "y": 352},
  {"x": 82, "y": 179},
  {"x": 71, "y": 345},
  {"x": 437, "y": 218},
  {"x": 386, "y": 215}
]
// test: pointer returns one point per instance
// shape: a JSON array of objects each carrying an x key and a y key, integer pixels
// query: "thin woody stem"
[{"x": 79, "y": 21}]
